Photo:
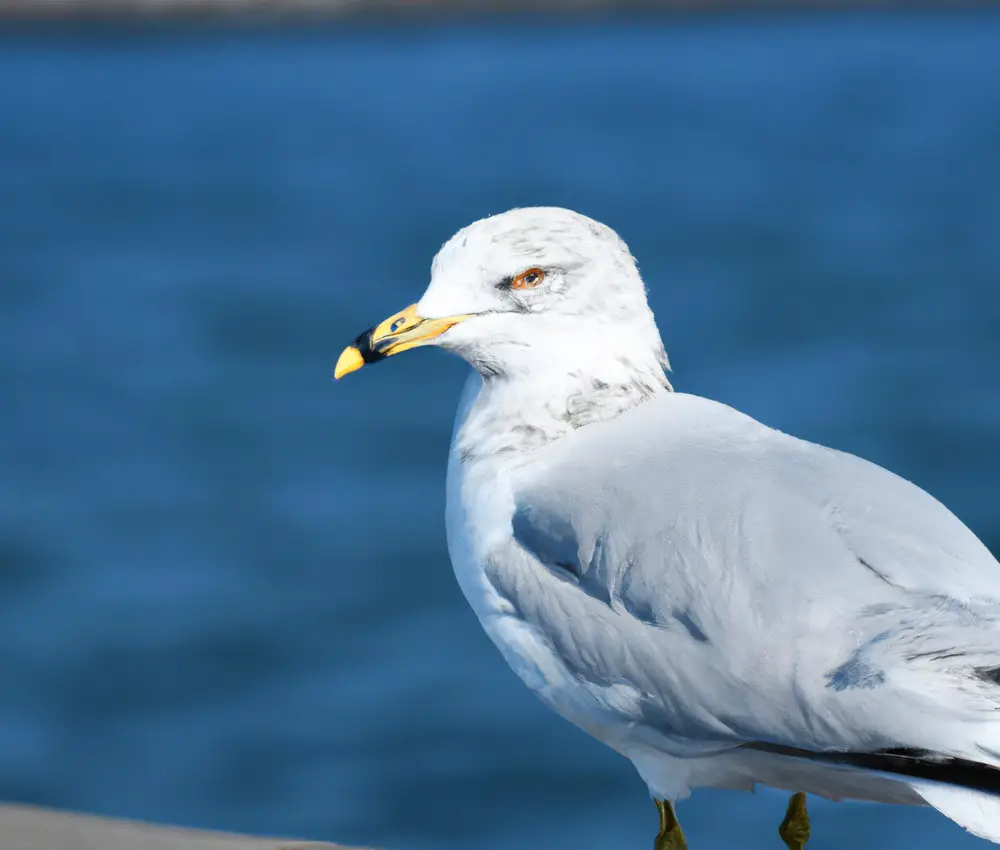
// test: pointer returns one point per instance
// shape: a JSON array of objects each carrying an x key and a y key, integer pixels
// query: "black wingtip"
[{"x": 918, "y": 764}]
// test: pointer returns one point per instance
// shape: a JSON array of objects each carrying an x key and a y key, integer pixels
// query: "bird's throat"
[{"x": 520, "y": 416}]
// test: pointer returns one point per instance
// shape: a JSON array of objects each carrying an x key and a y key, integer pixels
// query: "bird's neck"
[{"x": 519, "y": 415}]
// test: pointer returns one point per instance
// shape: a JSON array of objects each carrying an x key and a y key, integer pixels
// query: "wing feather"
[{"x": 759, "y": 586}]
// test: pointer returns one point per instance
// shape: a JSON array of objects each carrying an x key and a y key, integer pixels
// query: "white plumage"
[{"x": 720, "y": 602}]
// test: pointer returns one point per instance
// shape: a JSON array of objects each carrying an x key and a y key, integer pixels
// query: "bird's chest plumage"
[
  {"x": 478, "y": 518},
  {"x": 478, "y": 515}
]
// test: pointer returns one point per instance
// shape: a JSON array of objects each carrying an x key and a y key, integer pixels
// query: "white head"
[{"x": 541, "y": 295}]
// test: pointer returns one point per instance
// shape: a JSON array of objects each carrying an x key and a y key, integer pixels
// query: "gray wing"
[{"x": 750, "y": 586}]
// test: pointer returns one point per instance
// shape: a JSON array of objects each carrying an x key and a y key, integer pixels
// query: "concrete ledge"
[
  {"x": 271, "y": 11},
  {"x": 31, "y": 828}
]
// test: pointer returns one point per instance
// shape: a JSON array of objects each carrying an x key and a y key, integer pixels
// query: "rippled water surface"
[{"x": 225, "y": 598}]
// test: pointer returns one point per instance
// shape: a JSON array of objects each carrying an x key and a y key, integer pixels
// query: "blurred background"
[{"x": 225, "y": 595}]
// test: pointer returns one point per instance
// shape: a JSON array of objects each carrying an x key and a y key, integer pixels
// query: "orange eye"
[{"x": 528, "y": 280}]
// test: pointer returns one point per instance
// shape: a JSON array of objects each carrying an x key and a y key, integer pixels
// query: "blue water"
[{"x": 225, "y": 598}]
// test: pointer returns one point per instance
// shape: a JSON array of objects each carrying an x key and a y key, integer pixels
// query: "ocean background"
[{"x": 225, "y": 596}]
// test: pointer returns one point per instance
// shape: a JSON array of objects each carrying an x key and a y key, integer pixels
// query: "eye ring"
[{"x": 528, "y": 279}]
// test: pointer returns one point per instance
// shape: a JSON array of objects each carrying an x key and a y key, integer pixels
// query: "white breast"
[
  {"x": 463, "y": 516},
  {"x": 478, "y": 511}
]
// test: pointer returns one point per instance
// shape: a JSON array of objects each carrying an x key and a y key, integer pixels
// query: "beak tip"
[{"x": 349, "y": 361}]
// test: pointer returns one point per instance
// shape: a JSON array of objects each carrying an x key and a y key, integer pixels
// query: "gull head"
[{"x": 531, "y": 294}]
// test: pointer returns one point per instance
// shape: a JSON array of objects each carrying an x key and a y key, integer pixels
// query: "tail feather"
[
  {"x": 920, "y": 765},
  {"x": 976, "y": 811},
  {"x": 967, "y": 792}
]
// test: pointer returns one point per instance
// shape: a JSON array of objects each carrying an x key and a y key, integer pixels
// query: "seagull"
[{"x": 721, "y": 603}]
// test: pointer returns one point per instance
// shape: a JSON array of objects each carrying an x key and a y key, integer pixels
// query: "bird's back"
[{"x": 680, "y": 460}]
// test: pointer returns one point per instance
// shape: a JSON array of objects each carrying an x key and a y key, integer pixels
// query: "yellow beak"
[{"x": 397, "y": 333}]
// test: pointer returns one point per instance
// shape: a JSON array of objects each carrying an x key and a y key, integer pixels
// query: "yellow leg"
[
  {"x": 670, "y": 836},
  {"x": 794, "y": 829}
]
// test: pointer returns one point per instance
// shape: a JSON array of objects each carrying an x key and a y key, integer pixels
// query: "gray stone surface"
[
  {"x": 30, "y": 828},
  {"x": 276, "y": 10}
]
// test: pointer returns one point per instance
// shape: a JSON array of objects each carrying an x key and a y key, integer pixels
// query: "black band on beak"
[{"x": 364, "y": 346}]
